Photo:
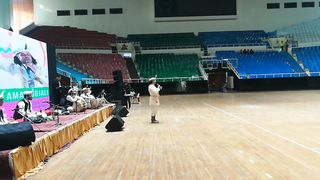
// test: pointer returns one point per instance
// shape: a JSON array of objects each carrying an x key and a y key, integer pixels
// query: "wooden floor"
[{"x": 265, "y": 135}]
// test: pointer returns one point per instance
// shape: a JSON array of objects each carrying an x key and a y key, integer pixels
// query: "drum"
[
  {"x": 101, "y": 101},
  {"x": 79, "y": 106},
  {"x": 95, "y": 103},
  {"x": 33, "y": 119}
]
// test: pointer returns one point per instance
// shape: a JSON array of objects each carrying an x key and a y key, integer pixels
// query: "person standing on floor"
[
  {"x": 127, "y": 95},
  {"x": 154, "y": 100}
]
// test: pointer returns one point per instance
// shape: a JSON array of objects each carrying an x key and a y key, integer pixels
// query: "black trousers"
[{"x": 127, "y": 102}]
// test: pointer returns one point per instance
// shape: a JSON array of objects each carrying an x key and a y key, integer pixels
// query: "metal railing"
[
  {"x": 236, "y": 45},
  {"x": 273, "y": 75},
  {"x": 171, "y": 47},
  {"x": 202, "y": 71},
  {"x": 64, "y": 73},
  {"x": 142, "y": 80}
]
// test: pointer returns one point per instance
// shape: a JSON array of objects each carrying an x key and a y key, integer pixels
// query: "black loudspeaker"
[
  {"x": 115, "y": 124},
  {"x": 15, "y": 135},
  {"x": 117, "y": 75},
  {"x": 121, "y": 111}
]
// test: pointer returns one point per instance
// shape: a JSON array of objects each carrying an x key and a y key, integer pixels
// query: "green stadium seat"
[{"x": 167, "y": 65}]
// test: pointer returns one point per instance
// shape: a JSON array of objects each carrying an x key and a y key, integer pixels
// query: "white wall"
[
  {"x": 5, "y": 13},
  {"x": 138, "y": 16}
]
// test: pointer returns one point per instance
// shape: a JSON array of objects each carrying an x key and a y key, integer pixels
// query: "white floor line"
[
  {"x": 277, "y": 150},
  {"x": 268, "y": 175},
  {"x": 264, "y": 129}
]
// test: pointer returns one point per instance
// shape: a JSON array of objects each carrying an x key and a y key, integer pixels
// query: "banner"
[{"x": 23, "y": 66}]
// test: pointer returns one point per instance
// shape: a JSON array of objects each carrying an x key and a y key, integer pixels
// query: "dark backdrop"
[{"x": 185, "y": 8}]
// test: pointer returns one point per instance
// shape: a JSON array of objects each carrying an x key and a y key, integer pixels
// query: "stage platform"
[{"x": 19, "y": 162}]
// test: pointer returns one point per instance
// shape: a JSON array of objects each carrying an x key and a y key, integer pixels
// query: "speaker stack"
[
  {"x": 116, "y": 123},
  {"x": 118, "y": 79},
  {"x": 121, "y": 111},
  {"x": 15, "y": 135}
]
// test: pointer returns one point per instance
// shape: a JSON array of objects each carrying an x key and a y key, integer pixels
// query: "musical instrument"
[
  {"x": 36, "y": 117},
  {"x": 79, "y": 105},
  {"x": 96, "y": 103},
  {"x": 103, "y": 101}
]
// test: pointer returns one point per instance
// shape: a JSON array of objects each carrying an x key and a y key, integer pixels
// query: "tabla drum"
[
  {"x": 95, "y": 103},
  {"x": 79, "y": 106},
  {"x": 101, "y": 101}
]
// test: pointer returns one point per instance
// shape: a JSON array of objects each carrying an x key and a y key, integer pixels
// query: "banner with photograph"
[{"x": 23, "y": 66}]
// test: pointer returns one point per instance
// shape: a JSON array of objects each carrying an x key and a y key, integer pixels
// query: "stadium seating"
[
  {"x": 98, "y": 65},
  {"x": 309, "y": 56},
  {"x": 167, "y": 65},
  {"x": 158, "y": 41},
  {"x": 303, "y": 32},
  {"x": 233, "y": 38},
  {"x": 258, "y": 64},
  {"x": 72, "y": 38},
  {"x": 74, "y": 72}
]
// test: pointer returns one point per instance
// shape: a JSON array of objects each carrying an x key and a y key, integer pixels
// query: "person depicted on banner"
[
  {"x": 3, "y": 119},
  {"x": 23, "y": 71},
  {"x": 28, "y": 68},
  {"x": 154, "y": 101},
  {"x": 24, "y": 107}
]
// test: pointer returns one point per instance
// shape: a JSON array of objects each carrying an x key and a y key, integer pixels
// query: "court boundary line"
[{"x": 262, "y": 128}]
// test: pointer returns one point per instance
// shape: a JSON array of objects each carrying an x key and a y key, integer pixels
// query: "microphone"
[
  {"x": 49, "y": 102},
  {"x": 158, "y": 86}
]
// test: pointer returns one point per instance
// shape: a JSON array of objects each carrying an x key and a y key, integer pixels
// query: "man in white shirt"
[
  {"x": 72, "y": 98},
  {"x": 3, "y": 119},
  {"x": 24, "y": 107},
  {"x": 86, "y": 95},
  {"x": 154, "y": 100}
]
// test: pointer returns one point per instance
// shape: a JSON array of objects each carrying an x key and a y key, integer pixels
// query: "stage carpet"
[{"x": 23, "y": 161}]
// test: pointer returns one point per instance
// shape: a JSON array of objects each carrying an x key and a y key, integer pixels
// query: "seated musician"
[
  {"x": 102, "y": 95},
  {"x": 3, "y": 119},
  {"x": 72, "y": 98},
  {"x": 74, "y": 87},
  {"x": 86, "y": 95},
  {"x": 24, "y": 107}
]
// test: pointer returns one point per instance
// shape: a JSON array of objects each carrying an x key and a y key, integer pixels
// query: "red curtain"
[{"x": 23, "y": 13}]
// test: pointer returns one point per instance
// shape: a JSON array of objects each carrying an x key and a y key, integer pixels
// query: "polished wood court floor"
[{"x": 260, "y": 135}]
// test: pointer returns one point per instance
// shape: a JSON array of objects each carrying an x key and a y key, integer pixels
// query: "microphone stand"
[
  {"x": 56, "y": 118},
  {"x": 54, "y": 107},
  {"x": 76, "y": 109}
]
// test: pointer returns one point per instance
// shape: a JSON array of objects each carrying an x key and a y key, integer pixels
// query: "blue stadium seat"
[
  {"x": 310, "y": 57},
  {"x": 263, "y": 63},
  {"x": 303, "y": 32},
  {"x": 233, "y": 38}
]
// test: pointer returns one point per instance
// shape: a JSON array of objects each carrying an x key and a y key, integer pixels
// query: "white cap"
[
  {"x": 152, "y": 79},
  {"x": 84, "y": 89},
  {"x": 70, "y": 90},
  {"x": 21, "y": 49},
  {"x": 27, "y": 92}
]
